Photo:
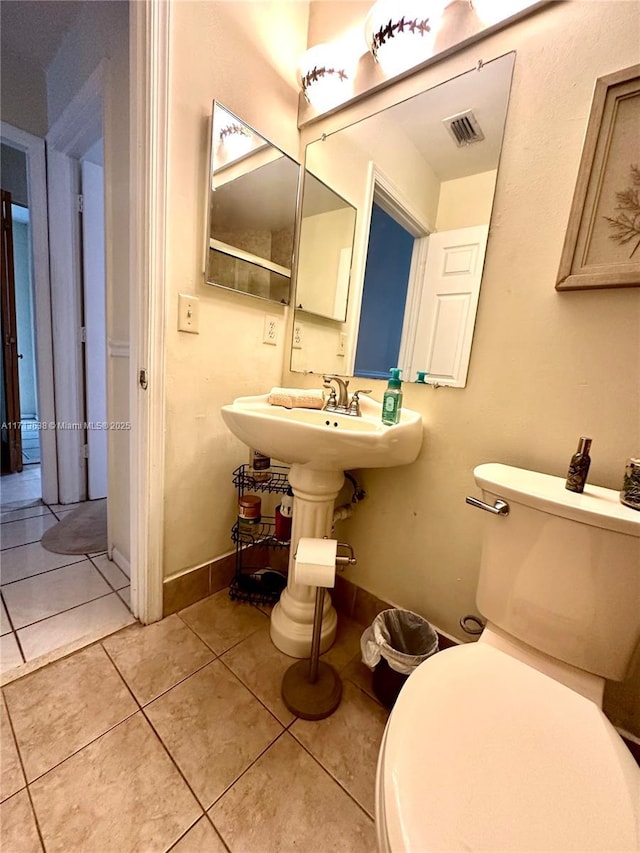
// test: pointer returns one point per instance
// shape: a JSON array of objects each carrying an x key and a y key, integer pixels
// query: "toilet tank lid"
[
  {"x": 482, "y": 752},
  {"x": 597, "y": 506}
]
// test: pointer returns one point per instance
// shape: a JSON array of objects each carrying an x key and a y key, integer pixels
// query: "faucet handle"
[{"x": 354, "y": 405}]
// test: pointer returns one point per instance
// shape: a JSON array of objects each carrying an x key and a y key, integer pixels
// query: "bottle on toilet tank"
[{"x": 579, "y": 466}]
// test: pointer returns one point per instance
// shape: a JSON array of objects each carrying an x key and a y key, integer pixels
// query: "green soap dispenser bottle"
[{"x": 392, "y": 400}]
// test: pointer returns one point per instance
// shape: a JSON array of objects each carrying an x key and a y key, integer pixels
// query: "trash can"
[{"x": 395, "y": 644}]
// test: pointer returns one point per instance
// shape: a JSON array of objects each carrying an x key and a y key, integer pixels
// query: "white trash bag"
[{"x": 401, "y": 637}]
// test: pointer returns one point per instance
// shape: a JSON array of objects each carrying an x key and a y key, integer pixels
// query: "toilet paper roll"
[{"x": 315, "y": 562}]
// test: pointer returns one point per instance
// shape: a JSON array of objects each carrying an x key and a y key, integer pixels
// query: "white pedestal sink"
[{"x": 319, "y": 446}]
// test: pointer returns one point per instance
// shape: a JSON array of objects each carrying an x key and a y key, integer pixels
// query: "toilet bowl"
[
  {"x": 483, "y": 752},
  {"x": 502, "y": 745}
]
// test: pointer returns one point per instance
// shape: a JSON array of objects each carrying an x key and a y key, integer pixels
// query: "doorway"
[{"x": 384, "y": 295}]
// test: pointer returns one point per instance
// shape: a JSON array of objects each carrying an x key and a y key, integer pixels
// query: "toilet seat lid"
[{"x": 483, "y": 752}]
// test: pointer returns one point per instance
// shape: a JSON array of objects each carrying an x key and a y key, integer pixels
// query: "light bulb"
[
  {"x": 326, "y": 76},
  {"x": 402, "y": 34}
]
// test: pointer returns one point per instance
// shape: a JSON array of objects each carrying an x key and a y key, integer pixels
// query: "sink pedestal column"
[{"x": 315, "y": 493}]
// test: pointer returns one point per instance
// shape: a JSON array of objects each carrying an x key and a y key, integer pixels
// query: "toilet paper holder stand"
[{"x": 312, "y": 689}]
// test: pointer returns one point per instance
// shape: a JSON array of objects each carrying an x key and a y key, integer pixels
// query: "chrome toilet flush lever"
[{"x": 499, "y": 507}]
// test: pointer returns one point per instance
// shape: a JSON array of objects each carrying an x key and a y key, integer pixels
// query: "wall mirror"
[
  {"x": 327, "y": 228},
  {"x": 421, "y": 176},
  {"x": 253, "y": 195}
]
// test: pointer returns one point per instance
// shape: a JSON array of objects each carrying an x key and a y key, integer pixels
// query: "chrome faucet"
[{"x": 340, "y": 402}]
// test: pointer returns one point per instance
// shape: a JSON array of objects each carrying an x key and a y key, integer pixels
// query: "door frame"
[
  {"x": 149, "y": 127},
  {"x": 384, "y": 192},
  {"x": 33, "y": 148}
]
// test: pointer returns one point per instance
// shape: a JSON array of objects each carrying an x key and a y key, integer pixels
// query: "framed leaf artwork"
[{"x": 602, "y": 243}]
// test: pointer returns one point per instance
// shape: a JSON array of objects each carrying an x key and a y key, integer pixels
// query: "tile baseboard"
[
  {"x": 197, "y": 584},
  {"x": 363, "y": 607}
]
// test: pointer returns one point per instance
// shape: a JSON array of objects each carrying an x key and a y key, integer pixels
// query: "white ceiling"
[
  {"x": 419, "y": 120},
  {"x": 34, "y": 29}
]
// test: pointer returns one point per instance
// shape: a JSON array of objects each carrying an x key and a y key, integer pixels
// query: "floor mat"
[{"x": 82, "y": 531}]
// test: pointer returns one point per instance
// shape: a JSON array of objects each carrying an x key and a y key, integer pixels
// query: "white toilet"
[{"x": 502, "y": 744}]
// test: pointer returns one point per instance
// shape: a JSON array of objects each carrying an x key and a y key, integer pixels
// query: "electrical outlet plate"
[
  {"x": 271, "y": 330},
  {"x": 342, "y": 344},
  {"x": 188, "y": 313},
  {"x": 298, "y": 336}
]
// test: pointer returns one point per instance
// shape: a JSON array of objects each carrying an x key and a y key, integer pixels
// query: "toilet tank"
[{"x": 561, "y": 571}]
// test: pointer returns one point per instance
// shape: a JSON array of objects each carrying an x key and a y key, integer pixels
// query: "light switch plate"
[
  {"x": 342, "y": 344},
  {"x": 188, "y": 313}
]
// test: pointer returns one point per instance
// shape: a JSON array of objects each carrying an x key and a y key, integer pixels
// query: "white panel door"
[
  {"x": 448, "y": 305},
  {"x": 95, "y": 324}
]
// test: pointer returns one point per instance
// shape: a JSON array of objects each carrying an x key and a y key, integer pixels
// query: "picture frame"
[{"x": 602, "y": 242}]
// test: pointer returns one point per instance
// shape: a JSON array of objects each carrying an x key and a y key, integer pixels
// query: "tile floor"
[
  {"x": 30, "y": 441},
  {"x": 174, "y": 737},
  {"x": 48, "y": 600},
  {"x": 16, "y": 489}
]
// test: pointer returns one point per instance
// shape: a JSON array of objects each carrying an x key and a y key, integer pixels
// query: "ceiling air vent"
[{"x": 464, "y": 128}]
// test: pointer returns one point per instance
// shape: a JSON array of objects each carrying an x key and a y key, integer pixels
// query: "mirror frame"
[{"x": 296, "y": 271}]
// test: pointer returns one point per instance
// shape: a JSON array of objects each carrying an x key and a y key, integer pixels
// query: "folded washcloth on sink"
[{"x": 297, "y": 398}]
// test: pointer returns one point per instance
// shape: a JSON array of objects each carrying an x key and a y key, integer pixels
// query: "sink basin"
[{"x": 322, "y": 440}]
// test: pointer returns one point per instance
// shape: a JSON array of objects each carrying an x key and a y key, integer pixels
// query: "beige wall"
[
  {"x": 546, "y": 367},
  {"x": 214, "y": 54},
  {"x": 466, "y": 201}
]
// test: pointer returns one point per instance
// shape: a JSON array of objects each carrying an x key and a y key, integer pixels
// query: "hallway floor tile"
[{"x": 47, "y": 600}]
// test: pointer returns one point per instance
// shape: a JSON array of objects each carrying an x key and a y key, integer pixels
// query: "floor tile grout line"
[
  {"x": 182, "y": 680},
  {"x": 13, "y": 631},
  {"x": 175, "y": 764},
  {"x": 187, "y": 830},
  {"x": 83, "y": 747},
  {"x": 254, "y": 694},
  {"x": 208, "y": 644},
  {"x": 22, "y": 521},
  {"x": 93, "y": 740},
  {"x": 246, "y": 770},
  {"x": 89, "y": 643},
  {"x": 21, "y": 544},
  {"x": 217, "y": 831},
  {"x": 164, "y": 692},
  {"x": 330, "y": 774},
  {"x": 46, "y": 571},
  {"x": 166, "y": 749},
  {"x": 106, "y": 579},
  {"x": 26, "y": 517},
  {"x": 68, "y": 610},
  {"x": 24, "y": 772},
  {"x": 159, "y": 736}
]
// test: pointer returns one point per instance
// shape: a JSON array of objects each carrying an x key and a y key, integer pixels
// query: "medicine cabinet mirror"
[
  {"x": 253, "y": 194},
  {"x": 420, "y": 176}
]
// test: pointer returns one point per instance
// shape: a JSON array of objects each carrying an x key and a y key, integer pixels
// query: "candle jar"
[
  {"x": 249, "y": 513},
  {"x": 630, "y": 494}
]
